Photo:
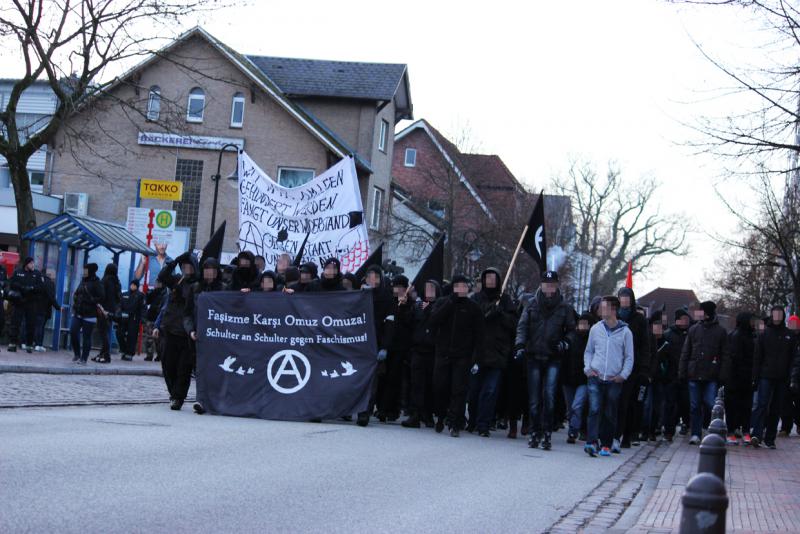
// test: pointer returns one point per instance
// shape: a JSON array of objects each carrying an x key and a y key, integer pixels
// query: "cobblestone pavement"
[
  {"x": 29, "y": 389},
  {"x": 61, "y": 363}
]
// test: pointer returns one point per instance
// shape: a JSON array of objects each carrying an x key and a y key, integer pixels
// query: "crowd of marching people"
[{"x": 466, "y": 356}]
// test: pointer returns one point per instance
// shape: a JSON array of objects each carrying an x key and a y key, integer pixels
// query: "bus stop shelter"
[{"x": 71, "y": 238}]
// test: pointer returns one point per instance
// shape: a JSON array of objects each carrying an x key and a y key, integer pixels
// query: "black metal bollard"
[
  {"x": 718, "y": 412},
  {"x": 704, "y": 505},
  {"x": 712, "y": 456},
  {"x": 719, "y": 428}
]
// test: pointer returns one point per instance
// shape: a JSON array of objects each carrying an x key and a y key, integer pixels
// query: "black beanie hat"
[
  {"x": 680, "y": 312},
  {"x": 400, "y": 281},
  {"x": 333, "y": 261},
  {"x": 709, "y": 308},
  {"x": 134, "y": 282},
  {"x": 92, "y": 268},
  {"x": 460, "y": 278}
]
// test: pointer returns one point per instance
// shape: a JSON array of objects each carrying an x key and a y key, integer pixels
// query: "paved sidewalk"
[
  {"x": 763, "y": 489},
  {"x": 61, "y": 363}
]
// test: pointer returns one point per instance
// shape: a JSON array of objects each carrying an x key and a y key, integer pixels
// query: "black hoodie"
[
  {"x": 179, "y": 293},
  {"x": 773, "y": 354},
  {"x": 641, "y": 334},
  {"x": 424, "y": 336},
  {"x": 272, "y": 276},
  {"x": 112, "y": 289},
  {"x": 245, "y": 277},
  {"x": 738, "y": 370},
  {"x": 201, "y": 285},
  {"x": 544, "y": 323},
  {"x": 500, "y": 322},
  {"x": 572, "y": 373}
]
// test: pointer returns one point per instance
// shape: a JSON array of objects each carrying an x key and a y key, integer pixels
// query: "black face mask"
[{"x": 245, "y": 273}]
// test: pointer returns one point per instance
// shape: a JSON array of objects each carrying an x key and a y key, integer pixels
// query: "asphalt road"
[{"x": 146, "y": 469}]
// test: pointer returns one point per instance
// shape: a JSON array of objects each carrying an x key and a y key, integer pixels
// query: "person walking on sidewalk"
[
  {"x": 573, "y": 379},
  {"x": 608, "y": 362},
  {"x": 132, "y": 309},
  {"x": 85, "y": 307},
  {"x": 112, "y": 290},
  {"x": 153, "y": 300},
  {"x": 772, "y": 363},
  {"x": 668, "y": 371},
  {"x": 738, "y": 377},
  {"x": 701, "y": 360}
]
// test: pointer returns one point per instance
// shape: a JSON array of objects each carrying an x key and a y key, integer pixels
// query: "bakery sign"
[{"x": 187, "y": 141}]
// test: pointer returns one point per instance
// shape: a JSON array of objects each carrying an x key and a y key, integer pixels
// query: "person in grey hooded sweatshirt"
[{"x": 608, "y": 362}]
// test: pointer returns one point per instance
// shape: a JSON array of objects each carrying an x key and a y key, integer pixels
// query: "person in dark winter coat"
[
  {"x": 245, "y": 275},
  {"x": 654, "y": 399},
  {"x": 666, "y": 375},
  {"x": 459, "y": 338},
  {"x": 772, "y": 362},
  {"x": 499, "y": 330},
  {"x": 573, "y": 379},
  {"x": 24, "y": 288},
  {"x": 738, "y": 378},
  {"x": 350, "y": 281},
  {"x": 397, "y": 337},
  {"x": 541, "y": 338},
  {"x": 308, "y": 275},
  {"x": 268, "y": 282},
  {"x": 331, "y": 277},
  {"x": 85, "y": 307},
  {"x": 112, "y": 289},
  {"x": 629, "y": 421},
  {"x": 702, "y": 358},
  {"x": 47, "y": 303},
  {"x": 790, "y": 411},
  {"x": 132, "y": 310},
  {"x": 153, "y": 301},
  {"x": 422, "y": 406},
  {"x": 179, "y": 357}
]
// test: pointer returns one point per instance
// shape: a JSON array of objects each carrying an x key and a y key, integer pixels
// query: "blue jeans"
[
  {"x": 80, "y": 334},
  {"x": 768, "y": 408},
  {"x": 603, "y": 406},
  {"x": 701, "y": 392},
  {"x": 483, "y": 397},
  {"x": 542, "y": 382},
  {"x": 575, "y": 399}
]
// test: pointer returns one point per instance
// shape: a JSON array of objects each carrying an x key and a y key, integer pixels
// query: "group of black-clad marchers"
[{"x": 467, "y": 356}]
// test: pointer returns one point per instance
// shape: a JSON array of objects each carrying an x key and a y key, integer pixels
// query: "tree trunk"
[{"x": 26, "y": 217}]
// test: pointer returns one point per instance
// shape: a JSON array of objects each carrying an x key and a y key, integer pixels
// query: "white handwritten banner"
[{"x": 274, "y": 219}]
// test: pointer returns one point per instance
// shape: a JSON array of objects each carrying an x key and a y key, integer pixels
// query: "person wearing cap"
[
  {"x": 667, "y": 372},
  {"x": 542, "y": 339},
  {"x": 772, "y": 361},
  {"x": 423, "y": 345},
  {"x": 132, "y": 308},
  {"x": 331, "y": 277},
  {"x": 702, "y": 358},
  {"x": 738, "y": 377},
  {"x": 24, "y": 286},
  {"x": 397, "y": 336},
  {"x": 458, "y": 322},
  {"x": 85, "y": 302}
]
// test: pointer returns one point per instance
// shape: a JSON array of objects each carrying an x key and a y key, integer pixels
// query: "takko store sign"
[{"x": 161, "y": 190}]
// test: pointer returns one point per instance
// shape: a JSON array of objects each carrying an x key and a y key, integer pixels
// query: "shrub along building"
[{"x": 169, "y": 116}]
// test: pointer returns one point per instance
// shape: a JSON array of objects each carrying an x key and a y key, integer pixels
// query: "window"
[
  {"x": 436, "y": 207},
  {"x": 197, "y": 104},
  {"x": 382, "y": 139},
  {"x": 293, "y": 177},
  {"x": 237, "y": 111},
  {"x": 411, "y": 157},
  {"x": 190, "y": 172},
  {"x": 154, "y": 103},
  {"x": 37, "y": 180},
  {"x": 377, "y": 205}
]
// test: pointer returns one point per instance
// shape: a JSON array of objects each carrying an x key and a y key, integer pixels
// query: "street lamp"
[{"x": 217, "y": 177}]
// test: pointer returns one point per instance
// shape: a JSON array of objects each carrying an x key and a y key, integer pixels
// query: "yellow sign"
[{"x": 161, "y": 189}]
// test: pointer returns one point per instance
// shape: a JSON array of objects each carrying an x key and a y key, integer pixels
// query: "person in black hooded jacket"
[
  {"x": 331, "y": 277},
  {"x": 25, "y": 285},
  {"x": 112, "y": 289},
  {"x": 396, "y": 341},
  {"x": 422, "y": 358},
  {"x": 85, "y": 301},
  {"x": 153, "y": 300},
  {"x": 738, "y": 378},
  {"x": 772, "y": 362},
  {"x": 268, "y": 282},
  {"x": 245, "y": 275},
  {"x": 132, "y": 309},
  {"x": 499, "y": 329},
  {"x": 573, "y": 378}
]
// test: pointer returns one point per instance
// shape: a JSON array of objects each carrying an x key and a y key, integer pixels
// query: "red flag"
[{"x": 629, "y": 279}]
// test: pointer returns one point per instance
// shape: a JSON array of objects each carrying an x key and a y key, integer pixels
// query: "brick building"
[{"x": 168, "y": 117}]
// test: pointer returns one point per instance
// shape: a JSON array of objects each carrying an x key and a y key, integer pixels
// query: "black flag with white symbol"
[{"x": 535, "y": 241}]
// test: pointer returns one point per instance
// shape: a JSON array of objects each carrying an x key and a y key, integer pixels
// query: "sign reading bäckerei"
[
  {"x": 289, "y": 357},
  {"x": 187, "y": 141}
]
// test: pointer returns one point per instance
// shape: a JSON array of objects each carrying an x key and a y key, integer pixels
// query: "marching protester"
[
  {"x": 350, "y": 282},
  {"x": 738, "y": 378},
  {"x": 85, "y": 308},
  {"x": 573, "y": 377},
  {"x": 500, "y": 321},
  {"x": 608, "y": 362},
  {"x": 397, "y": 337},
  {"x": 541, "y": 338},
  {"x": 772, "y": 362},
  {"x": 153, "y": 301},
  {"x": 331, "y": 277},
  {"x": 112, "y": 291},
  {"x": 267, "y": 282},
  {"x": 423, "y": 345},
  {"x": 701, "y": 360},
  {"x": 47, "y": 303},
  {"x": 245, "y": 275},
  {"x": 652, "y": 420},
  {"x": 790, "y": 411},
  {"x": 3, "y": 292},
  {"x": 132, "y": 310},
  {"x": 459, "y": 339},
  {"x": 24, "y": 288},
  {"x": 261, "y": 264}
]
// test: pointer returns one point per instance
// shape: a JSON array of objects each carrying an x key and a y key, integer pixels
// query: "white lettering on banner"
[
  {"x": 187, "y": 141},
  {"x": 328, "y": 209}
]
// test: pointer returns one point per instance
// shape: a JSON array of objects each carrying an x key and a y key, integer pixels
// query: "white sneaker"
[
  {"x": 615, "y": 448},
  {"x": 694, "y": 440},
  {"x": 40, "y": 348},
  {"x": 24, "y": 346}
]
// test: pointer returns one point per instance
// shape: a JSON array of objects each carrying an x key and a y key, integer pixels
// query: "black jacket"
[
  {"x": 153, "y": 300},
  {"x": 543, "y": 324},
  {"x": 398, "y": 329},
  {"x": 676, "y": 337},
  {"x": 89, "y": 294},
  {"x": 382, "y": 300},
  {"x": 423, "y": 339},
  {"x": 459, "y": 328},
  {"x": 738, "y": 370},
  {"x": 179, "y": 292},
  {"x": 773, "y": 354},
  {"x": 112, "y": 290},
  {"x": 704, "y": 351},
  {"x": 28, "y": 284},
  {"x": 133, "y": 303},
  {"x": 641, "y": 341},
  {"x": 500, "y": 322},
  {"x": 658, "y": 366},
  {"x": 190, "y": 308},
  {"x": 572, "y": 366},
  {"x": 47, "y": 297}
]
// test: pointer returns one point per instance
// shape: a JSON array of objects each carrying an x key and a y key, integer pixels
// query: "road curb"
[{"x": 77, "y": 370}]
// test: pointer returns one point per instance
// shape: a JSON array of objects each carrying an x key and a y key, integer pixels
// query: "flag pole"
[{"x": 514, "y": 259}]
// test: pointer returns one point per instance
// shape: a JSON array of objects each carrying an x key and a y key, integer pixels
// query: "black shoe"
[
  {"x": 411, "y": 422},
  {"x": 754, "y": 442},
  {"x": 127, "y": 358},
  {"x": 625, "y": 444},
  {"x": 546, "y": 444},
  {"x": 533, "y": 442},
  {"x": 29, "y": 350},
  {"x": 348, "y": 418},
  {"x": 770, "y": 445},
  {"x": 484, "y": 434},
  {"x": 582, "y": 437},
  {"x": 175, "y": 404},
  {"x": 362, "y": 419},
  {"x": 104, "y": 360},
  {"x": 428, "y": 422},
  {"x": 381, "y": 417},
  {"x": 454, "y": 432},
  {"x": 157, "y": 359},
  {"x": 502, "y": 424},
  {"x": 95, "y": 358},
  {"x": 571, "y": 438},
  {"x": 76, "y": 359},
  {"x": 12, "y": 348},
  {"x": 198, "y": 408},
  {"x": 439, "y": 426},
  {"x": 148, "y": 358},
  {"x": 470, "y": 428},
  {"x": 684, "y": 430}
]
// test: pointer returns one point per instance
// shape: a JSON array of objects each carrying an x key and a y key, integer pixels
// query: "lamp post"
[{"x": 217, "y": 177}]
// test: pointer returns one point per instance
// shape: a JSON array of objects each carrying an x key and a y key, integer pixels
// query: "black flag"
[
  {"x": 535, "y": 241},
  {"x": 299, "y": 257},
  {"x": 432, "y": 269},
  {"x": 376, "y": 258},
  {"x": 213, "y": 248}
]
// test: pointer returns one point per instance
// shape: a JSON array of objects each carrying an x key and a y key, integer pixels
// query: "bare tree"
[
  {"x": 70, "y": 45},
  {"x": 618, "y": 222}
]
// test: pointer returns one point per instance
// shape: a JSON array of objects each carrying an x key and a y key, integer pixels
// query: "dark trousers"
[
  {"x": 104, "y": 329},
  {"x": 22, "y": 313},
  {"x": 80, "y": 335},
  {"x": 128, "y": 334},
  {"x": 768, "y": 409},
  {"x": 450, "y": 383},
  {"x": 483, "y": 389},
  {"x": 421, "y": 394},
  {"x": 41, "y": 321},
  {"x": 542, "y": 385},
  {"x": 738, "y": 407},
  {"x": 391, "y": 388},
  {"x": 603, "y": 410},
  {"x": 515, "y": 390},
  {"x": 177, "y": 365},
  {"x": 790, "y": 410},
  {"x": 629, "y": 421},
  {"x": 669, "y": 407}
]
